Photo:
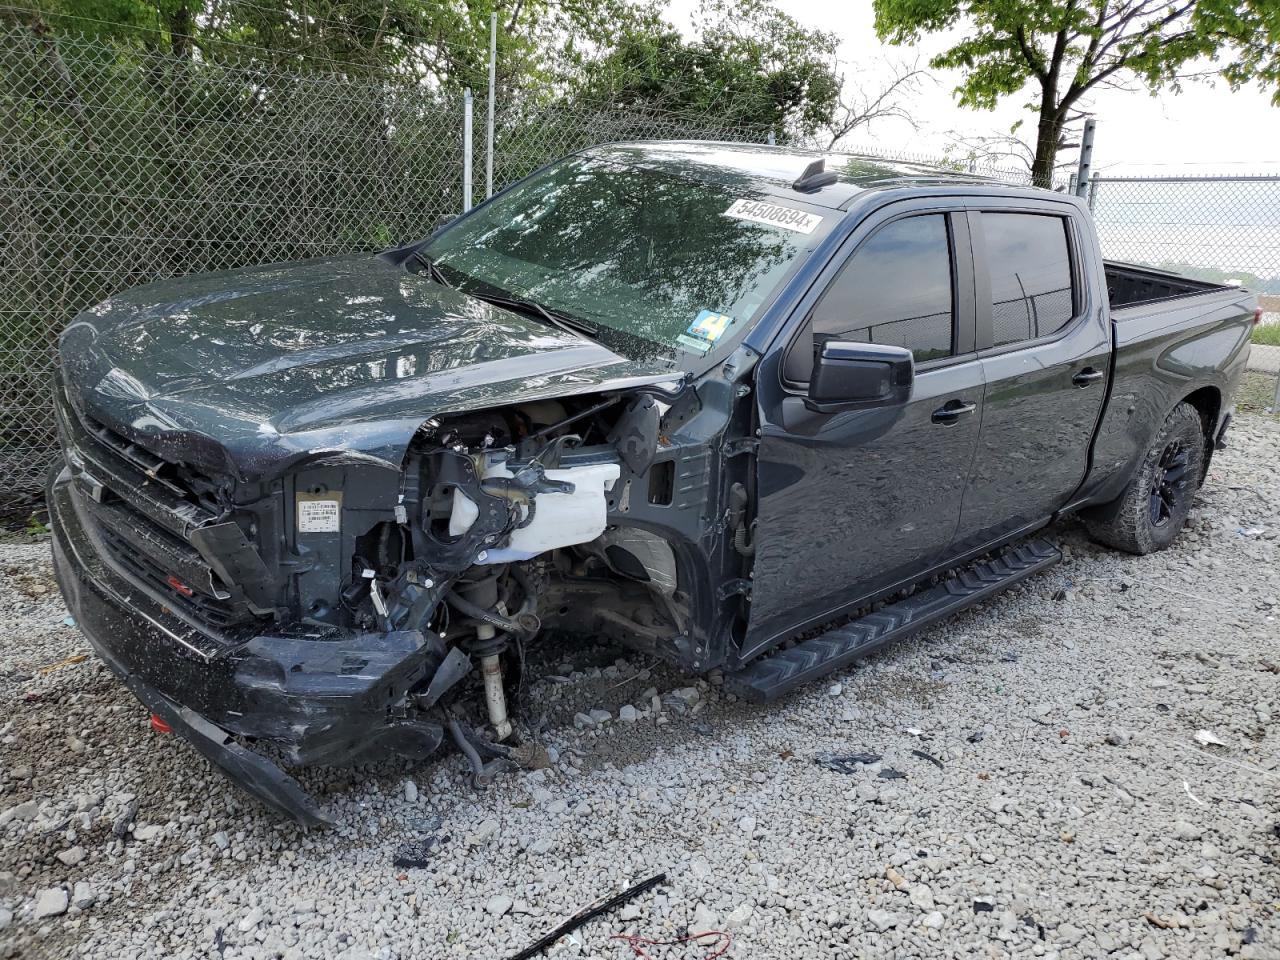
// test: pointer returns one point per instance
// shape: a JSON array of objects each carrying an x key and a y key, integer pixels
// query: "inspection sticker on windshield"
[
  {"x": 319, "y": 512},
  {"x": 706, "y": 329},
  {"x": 788, "y": 218}
]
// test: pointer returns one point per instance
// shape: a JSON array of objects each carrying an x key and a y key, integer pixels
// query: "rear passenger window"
[
  {"x": 896, "y": 290},
  {"x": 1030, "y": 265}
]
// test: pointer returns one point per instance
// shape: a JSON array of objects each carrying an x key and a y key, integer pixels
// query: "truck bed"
[{"x": 1130, "y": 285}]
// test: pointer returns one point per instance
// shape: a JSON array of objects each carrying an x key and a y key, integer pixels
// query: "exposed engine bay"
[
  {"x": 511, "y": 522},
  {"x": 504, "y": 515}
]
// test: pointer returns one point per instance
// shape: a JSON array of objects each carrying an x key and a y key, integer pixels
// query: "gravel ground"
[{"x": 1070, "y": 812}]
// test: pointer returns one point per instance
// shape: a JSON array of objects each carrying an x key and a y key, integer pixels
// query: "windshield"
[{"x": 679, "y": 261}]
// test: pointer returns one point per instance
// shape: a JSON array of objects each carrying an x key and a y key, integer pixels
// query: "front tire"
[{"x": 1153, "y": 509}]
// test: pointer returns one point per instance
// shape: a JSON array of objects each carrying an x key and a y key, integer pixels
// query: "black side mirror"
[{"x": 859, "y": 376}]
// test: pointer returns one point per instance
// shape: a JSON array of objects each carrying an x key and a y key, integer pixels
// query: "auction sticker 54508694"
[{"x": 788, "y": 218}]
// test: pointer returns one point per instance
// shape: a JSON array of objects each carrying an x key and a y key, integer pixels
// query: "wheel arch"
[{"x": 1207, "y": 402}]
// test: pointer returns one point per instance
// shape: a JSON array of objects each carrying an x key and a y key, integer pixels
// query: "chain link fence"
[
  {"x": 122, "y": 167},
  {"x": 1223, "y": 229},
  {"x": 118, "y": 167},
  {"x": 526, "y": 138}
]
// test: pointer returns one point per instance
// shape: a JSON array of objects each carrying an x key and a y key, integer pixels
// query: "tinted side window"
[
  {"x": 896, "y": 290},
  {"x": 1030, "y": 266}
]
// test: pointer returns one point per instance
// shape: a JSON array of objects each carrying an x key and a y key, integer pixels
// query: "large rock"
[
  {"x": 51, "y": 903},
  {"x": 882, "y": 920},
  {"x": 73, "y": 857},
  {"x": 27, "y": 810},
  {"x": 704, "y": 919},
  {"x": 83, "y": 896}
]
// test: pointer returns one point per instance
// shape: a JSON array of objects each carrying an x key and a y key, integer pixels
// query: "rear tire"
[{"x": 1151, "y": 512}]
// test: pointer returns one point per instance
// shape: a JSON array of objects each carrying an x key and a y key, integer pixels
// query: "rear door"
[
  {"x": 1044, "y": 343},
  {"x": 852, "y": 502}
]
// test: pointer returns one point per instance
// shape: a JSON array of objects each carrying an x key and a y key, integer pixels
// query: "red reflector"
[
  {"x": 1257, "y": 316},
  {"x": 178, "y": 585},
  {"x": 159, "y": 726}
]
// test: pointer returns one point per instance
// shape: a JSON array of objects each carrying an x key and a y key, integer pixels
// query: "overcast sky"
[{"x": 1205, "y": 129}]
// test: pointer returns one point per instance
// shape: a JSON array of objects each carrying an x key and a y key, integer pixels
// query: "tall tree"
[
  {"x": 749, "y": 64},
  {"x": 1063, "y": 49}
]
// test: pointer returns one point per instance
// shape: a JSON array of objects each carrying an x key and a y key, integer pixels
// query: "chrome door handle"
[{"x": 953, "y": 410}]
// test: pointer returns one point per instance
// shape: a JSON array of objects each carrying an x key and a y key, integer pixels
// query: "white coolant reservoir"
[{"x": 559, "y": 519}]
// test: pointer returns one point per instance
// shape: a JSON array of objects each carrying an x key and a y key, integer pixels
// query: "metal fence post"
[
  {"x": 493, "y": 72},
  {"x": 466, "y": 150},
  {"x": 1086, "y": 158}
]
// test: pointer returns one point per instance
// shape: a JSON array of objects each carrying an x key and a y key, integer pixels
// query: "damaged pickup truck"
[{"x": 737, "y": 407}]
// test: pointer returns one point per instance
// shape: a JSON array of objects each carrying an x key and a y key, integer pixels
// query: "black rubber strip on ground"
[{"x": 590, "y": 913}]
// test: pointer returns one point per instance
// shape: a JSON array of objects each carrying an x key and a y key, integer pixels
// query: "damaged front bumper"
[{"x": 319, "y": 695}]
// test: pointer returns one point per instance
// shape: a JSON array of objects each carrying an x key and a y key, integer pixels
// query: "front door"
[
  {"x": 851, "y": 503},
  {"x": 1045, "y": 348}
]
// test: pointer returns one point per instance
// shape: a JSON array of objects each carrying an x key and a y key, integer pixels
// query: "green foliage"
[
  {"x": 1253, "y": 28},
  {"x": 750, "y": 65},
  {"x": 1067, "y": 49},
  {"x": 444, "y": 42},
  {"x": 1267, "y": 333}
]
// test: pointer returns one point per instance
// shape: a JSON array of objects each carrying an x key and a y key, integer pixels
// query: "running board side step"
[{"x": 772, "y": 676}]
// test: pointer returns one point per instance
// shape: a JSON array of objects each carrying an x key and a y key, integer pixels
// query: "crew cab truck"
[{"x": 739, "y": 407}]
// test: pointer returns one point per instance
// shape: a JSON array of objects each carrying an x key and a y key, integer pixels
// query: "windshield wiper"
[
  {"x": 433, "y": 270},
  {"x": 532, "y": 307}
]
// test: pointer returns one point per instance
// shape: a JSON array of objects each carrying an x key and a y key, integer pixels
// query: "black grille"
[
  {"x": 181, "y": 480},
  {"x": 142, "y": 508},
  {"x": 221, "y": 616}
]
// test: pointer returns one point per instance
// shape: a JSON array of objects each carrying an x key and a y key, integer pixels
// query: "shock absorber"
[
  {"x": 488, "y": 645},
  {"x": 495, "y": 697}
]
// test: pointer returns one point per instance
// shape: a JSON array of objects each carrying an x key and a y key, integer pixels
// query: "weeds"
[{"x": 1267, "y": 333}]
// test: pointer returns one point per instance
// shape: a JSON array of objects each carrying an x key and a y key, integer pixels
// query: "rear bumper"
[{"x": 322, "y": 696}]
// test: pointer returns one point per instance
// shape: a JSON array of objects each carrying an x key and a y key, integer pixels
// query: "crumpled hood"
[{"x": 276, "y": 363}]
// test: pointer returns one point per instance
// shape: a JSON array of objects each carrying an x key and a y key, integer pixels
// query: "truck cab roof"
[{"x": 777, "y": 168}]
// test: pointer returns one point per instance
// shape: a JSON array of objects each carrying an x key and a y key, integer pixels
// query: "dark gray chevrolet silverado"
[{"x": 739, "y": 407}]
